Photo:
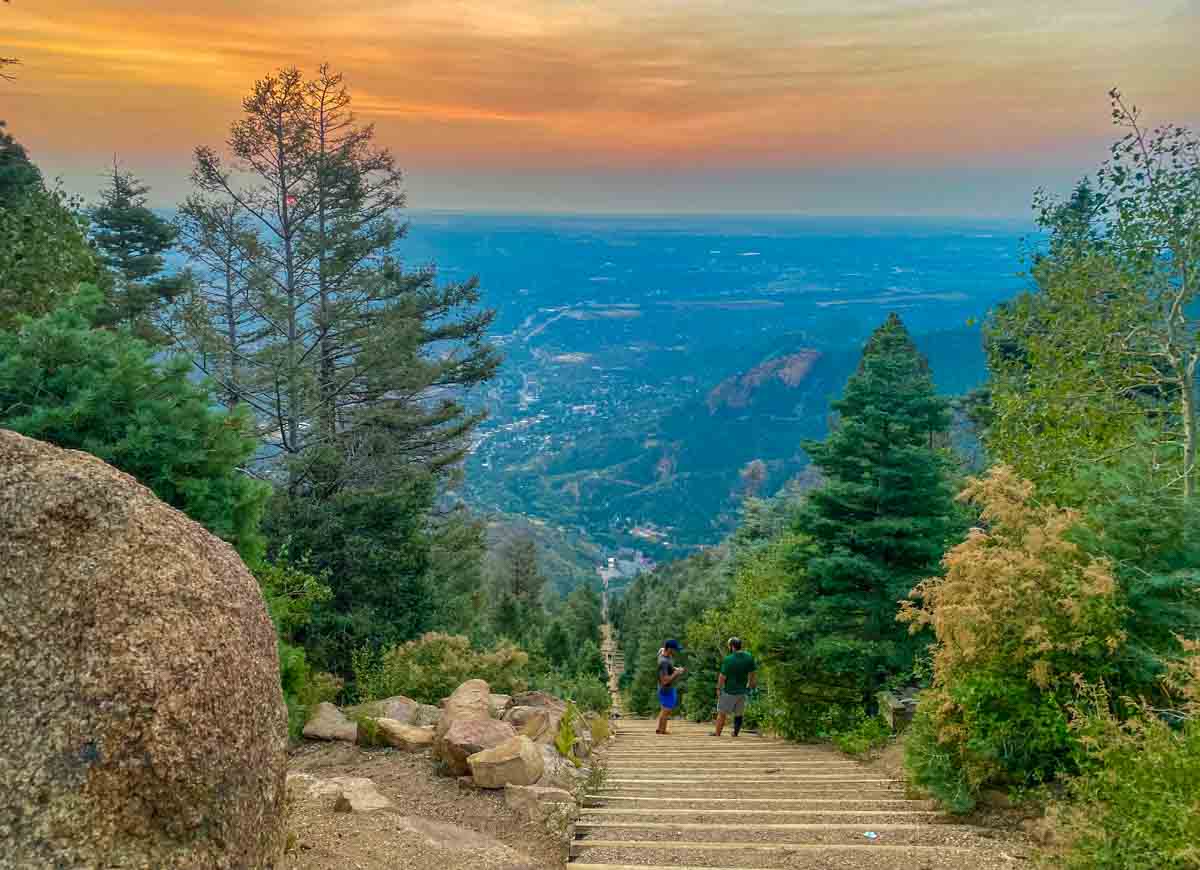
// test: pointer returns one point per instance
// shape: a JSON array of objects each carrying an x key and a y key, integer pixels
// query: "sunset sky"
[{"x": 824, "y": 106}]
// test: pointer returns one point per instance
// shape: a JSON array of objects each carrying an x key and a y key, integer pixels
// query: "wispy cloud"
[{"x": 563, "y": 83}]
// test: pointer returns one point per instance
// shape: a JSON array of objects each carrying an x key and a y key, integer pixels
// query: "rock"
[
  {"x": 142, "y": 722},
  {"x": 407, "y": 737},
  {"x": 498, "y": 704},
  {"x": 466, "y": 737},
  {"x": 471, "y": 700},
  {"x": 558, "y": 772},
  {"x": 538, "y": 699},
  {"x": 439, "y": 835},
  {"x": 539, "y": 724},
  {"x": 329, "y": 723},
  {"x": 357, "y": 794},
  {"x": 398, "y": 707},
  {"x": 537, "y": 802},
  {"x": 517, "y": 761},
  {"x": 427, "y": 715},
  {"x": 898, "y": 709},
  {"x": 583, "y": 739}
]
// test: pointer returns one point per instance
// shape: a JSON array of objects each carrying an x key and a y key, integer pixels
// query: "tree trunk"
[{"x": 1187, "y": 393}]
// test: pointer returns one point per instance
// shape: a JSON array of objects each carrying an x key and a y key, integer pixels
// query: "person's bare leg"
[
  {"x": 663, "y": 715},
  {"x": 720, "y": 723}
]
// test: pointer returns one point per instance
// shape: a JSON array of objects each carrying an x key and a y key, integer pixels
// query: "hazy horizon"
[{"x": 906, "y": 107}]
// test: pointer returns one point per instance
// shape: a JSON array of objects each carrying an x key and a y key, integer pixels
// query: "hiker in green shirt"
[{"x": 738, "y": 677}]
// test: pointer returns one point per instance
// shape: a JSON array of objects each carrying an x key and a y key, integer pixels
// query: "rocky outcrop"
[
  {"x": 538, "y": 802},
  {"x": 407, "y": 737},
  {"x": 516, "y": 761},
  {"x": 739, "y": 391},
  {"x": 499, "y": 704},
  {"x": 466, "y": 737},
  {"x": 142, "y": 722},
  {"x": 330, "y": 723}
]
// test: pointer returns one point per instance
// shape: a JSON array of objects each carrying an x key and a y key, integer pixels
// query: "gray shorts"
[{"x": 735, "y": 704}]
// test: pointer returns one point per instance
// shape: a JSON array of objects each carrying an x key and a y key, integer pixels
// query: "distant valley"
[{"x": 659, "y": 369}]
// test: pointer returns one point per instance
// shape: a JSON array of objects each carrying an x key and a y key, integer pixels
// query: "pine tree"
[
  {"x": 361, "y": 367},
  {"x": 132, "y": 240},
  {"x": 879, "y": 523},
  {"x": 219, "y": 325}
]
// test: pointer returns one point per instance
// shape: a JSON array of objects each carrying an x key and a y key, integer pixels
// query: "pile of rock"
[{"x": 489, "y": 740}]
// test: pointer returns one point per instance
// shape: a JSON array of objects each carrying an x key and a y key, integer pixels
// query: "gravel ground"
[{"x": 321, "y": 839}]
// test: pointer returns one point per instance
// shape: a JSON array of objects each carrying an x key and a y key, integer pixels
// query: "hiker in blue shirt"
[{"x": 668, "y": 695}]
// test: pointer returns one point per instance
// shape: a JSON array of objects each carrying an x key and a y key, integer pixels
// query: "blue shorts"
[{"x": 668, "y": 698}]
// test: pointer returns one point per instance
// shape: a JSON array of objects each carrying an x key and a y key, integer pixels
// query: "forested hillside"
[
  {"x": 299, "y": 392},
  {"x": 1046, "y": 608}
]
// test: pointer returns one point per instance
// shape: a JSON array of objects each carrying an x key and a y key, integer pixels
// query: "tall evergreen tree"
[
  {"x": 219, "y": 325},
  {"x": 132, "y": 240},
  {"x": 879, "y": 523},
  {"x": 361, "y": 366}
]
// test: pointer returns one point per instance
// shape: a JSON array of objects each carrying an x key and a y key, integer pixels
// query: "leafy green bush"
[
  {"x": 870, "y": 733},
  {"x": 1136, "y": 803},
  {"x": 934, "y": 763},
  {"x": 291, "y": 593},
  {"x": 988, "y": 729},
  {"x": 434, "y": 665},
  {"x": 586, "y": 691}
]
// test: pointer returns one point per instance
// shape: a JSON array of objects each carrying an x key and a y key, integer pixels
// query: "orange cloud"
[{"x": 572, "y": 83}]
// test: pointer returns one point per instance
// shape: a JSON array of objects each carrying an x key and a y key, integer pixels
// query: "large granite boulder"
[
  {"x": 471, "y": 700},
  {"x": 466, "y": 737},
  {"x": 142, "y": 722},
  {"x": 517, "y": 761}
]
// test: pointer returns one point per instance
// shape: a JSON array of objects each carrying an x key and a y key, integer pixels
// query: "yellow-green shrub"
[
  {"x": 434, "y": 665},
  {"x": 1137, "y": 801},
  {"x": 1020, "y": 616}
]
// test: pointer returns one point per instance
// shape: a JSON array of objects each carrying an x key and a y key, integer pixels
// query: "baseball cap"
[{"x": 672, "y": 644}]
